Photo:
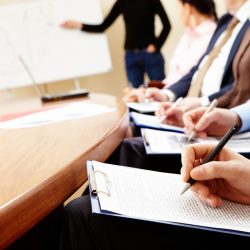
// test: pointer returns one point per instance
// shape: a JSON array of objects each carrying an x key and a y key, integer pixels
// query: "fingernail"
[
  {"x": 199, "y": 192},
  {"x": 210, "y": 202}
]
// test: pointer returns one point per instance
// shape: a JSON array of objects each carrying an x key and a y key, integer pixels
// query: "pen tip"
[{"x": 185, "y": 188}]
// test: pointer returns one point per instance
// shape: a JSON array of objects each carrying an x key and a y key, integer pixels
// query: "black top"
[{"x": 139, "y": 16}]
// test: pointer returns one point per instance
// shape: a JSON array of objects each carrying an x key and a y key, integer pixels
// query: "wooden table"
[{"x": 41, "y": 167}]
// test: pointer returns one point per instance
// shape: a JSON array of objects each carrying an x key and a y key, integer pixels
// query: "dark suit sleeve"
[
  {"x": 220, "y": 93},
  {"x": 180, "y": 88},
  {"x": 240, "y": 92},
  {"x": 113, "y": 14},
  {"x": 159, "y": 9}
]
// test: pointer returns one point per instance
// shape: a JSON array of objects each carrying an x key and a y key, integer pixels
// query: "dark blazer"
[
  {"x": 181, "y": 87},
  {"x": 240, "y": 91}
]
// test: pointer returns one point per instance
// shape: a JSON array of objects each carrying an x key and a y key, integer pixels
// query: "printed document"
[
  {"x": 152, "y": 121},
  {"x": 165, "y": 142},
  {"x": 67, "y": 112},
  {"x": 155, "y": 196}
]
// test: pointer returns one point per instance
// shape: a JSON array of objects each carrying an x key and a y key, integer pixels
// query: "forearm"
[
  {"x": 110, "y": 18},
  {"x": 166, "y": 26}
]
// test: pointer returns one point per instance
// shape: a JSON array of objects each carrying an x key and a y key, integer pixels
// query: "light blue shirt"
[{"x": 243, "y": 111}]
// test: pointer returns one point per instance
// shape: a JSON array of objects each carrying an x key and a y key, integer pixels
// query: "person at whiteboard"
[
  {"x": 227, "y": 178},
  {"x": 142, "y": 46}
]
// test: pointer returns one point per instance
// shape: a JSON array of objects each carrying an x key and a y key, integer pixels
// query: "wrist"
[
  {"x": 204, "y": 101},
  {"x": 169, "y": 95}
]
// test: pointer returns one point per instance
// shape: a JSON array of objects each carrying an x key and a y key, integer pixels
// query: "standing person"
[
  {"x": 141, "y": 44},
  {"x": 200, "y": 21}
]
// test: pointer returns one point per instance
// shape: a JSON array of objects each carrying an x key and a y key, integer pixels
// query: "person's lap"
[
  {"x": 89, "y": 231},
  {"x": 131, "y": 153}
]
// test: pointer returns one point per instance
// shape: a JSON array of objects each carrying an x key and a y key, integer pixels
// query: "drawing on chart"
[
  {"x": 33, "y": 25},
  {"x": 31, "y": 30}
]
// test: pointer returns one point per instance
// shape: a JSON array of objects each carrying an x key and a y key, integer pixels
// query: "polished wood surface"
[{"x": 41, "y": 167}]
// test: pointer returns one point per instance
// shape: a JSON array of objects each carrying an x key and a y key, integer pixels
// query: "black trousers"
[
  {"x": 131, "y": 152},
  {"x": 84, "y": 231}
]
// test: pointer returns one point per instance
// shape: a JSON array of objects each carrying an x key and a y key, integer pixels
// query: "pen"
[
  {"x": 214, "y": 153},
  {"x": 174, "y": 105},
  {"x": 212, "y": 105}
]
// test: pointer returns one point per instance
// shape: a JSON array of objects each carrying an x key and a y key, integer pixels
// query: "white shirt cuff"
[
  {"x": 243, "y": 112},
  {"x": 170, "y": 95},
  {"x": 204, "y": 101}
]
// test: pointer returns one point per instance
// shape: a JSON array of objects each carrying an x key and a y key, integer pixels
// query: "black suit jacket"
[{"x": 181, "y": 87}]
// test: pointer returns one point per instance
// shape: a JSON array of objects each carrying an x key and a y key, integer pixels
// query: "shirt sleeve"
[
  {"x": 159, "y": 9},
  {"x": 244, "y": 114},
  {"x": 110, "y": 18}
]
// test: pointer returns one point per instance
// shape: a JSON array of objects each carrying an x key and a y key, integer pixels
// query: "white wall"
[{"x": 113, "y": 82}]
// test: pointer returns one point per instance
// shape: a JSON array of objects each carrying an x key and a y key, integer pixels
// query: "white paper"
[
  {"x": 32, "y": 29},
  {"x": 67, "y": 112},
  {"x": 151, "y": 121},
  {"x": 164, "y": 142},
  {"x": 152, "y": 195},
  {"x": 143, "y": 107}
]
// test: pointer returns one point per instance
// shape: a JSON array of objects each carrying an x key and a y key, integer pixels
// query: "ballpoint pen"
[
  {"x": 212, "y": 105},
  {"x": 214, "y": 152},
  {"x": 174, "y": 105}
]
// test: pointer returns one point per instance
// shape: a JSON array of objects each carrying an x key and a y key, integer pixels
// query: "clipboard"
[
  {"x": 149, "y": 144},
  {"x": 158, "y": 142},
  {"x": 96, "y": 208},
  {"x": 142, "y": 107},
  {"x": 151, "y": 121}
]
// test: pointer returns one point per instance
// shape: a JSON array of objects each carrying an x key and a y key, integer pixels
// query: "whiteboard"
[{"x": 32, "y": 30}]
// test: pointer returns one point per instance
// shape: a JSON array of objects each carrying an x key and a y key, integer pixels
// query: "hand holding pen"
[
  {"x": 213, "y": 153},
  {"x": 162, "y": 115},
  {"x": 212, "y": 105},
  {"x": 223, "y": 179}
]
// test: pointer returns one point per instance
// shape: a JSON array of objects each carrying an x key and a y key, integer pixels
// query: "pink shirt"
[{"x": 191, "y": 47}]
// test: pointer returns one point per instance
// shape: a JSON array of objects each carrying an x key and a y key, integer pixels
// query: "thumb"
[{"x": 211, "y": 170}]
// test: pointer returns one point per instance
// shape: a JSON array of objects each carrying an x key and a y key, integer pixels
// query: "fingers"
[
  {"x": 211, "y": 170},
  {"x": 190, "y": 154},
  {"x": 155, "y": 94},
  {"x": 69, "y": 24},
  {"x": 190, "y": 118},
  {"x": 207, "y": 119},
  {"x": 134, "y": 95},
  {"x": 204, "y": 194},
  {"x": 164, "y": 106}
]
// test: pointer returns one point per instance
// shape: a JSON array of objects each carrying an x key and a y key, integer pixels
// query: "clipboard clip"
[{"x": 94, "y": 188}]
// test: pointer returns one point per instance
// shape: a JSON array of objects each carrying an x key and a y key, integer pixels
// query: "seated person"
[
  {"x": 236, "y": 96},
  {"x": 223, "y": 179},
  {"x": 226, "y": 81},
  {"x": 132, "y": 152}
]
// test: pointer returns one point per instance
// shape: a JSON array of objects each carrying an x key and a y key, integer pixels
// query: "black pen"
[{"x": 214, "y": 152}]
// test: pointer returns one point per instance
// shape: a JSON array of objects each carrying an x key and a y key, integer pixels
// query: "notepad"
[
  {"x": 143, "y": 107},
  {"x": 155, "y": 196},
  {"x": 165, "y": 142},
  {"x": 153, "y": 122}
]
